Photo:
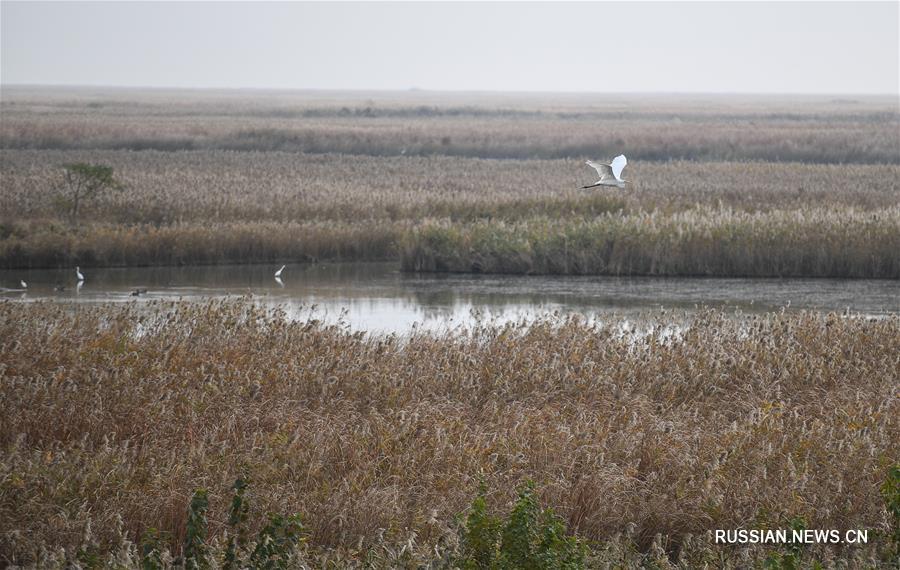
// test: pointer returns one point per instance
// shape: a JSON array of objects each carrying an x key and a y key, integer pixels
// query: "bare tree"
[{"x": 84, "y": 181}]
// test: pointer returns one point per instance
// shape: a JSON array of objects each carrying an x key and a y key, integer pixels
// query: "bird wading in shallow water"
[
  {"x": 610, "y": 174},
  {"x": 78, "y": 273}
]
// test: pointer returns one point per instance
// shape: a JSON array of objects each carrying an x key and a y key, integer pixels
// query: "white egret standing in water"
[
  {"x": 78, "y": 274},
  {"x": 610, "y": 174},
  {"x": 278, "y": 273}
]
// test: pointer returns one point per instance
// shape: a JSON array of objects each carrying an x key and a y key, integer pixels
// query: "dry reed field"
[
  {"x": 795, "y": 129},
  {"x": 111, "y": 417},
  {"x": 220, "y": 207},
  {"x": 223, "y": 434},
  {"x": 809, "y": 242},
  {"x": 226, "y": 177}
]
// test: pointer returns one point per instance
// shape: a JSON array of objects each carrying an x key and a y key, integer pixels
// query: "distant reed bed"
[
  {"x": 702, "y": 242},
  {"x": 202, "y": 244},
  {"x": 238, "y": 207},
  {"x": 706, "y": 128},
  {"x": 112, "y": 416},
  {"x": 218, "y": 186}
]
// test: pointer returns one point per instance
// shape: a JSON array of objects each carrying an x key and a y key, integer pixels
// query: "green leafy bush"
[
  {"x": 529, "y": 539},
  {"x": 195, "y": 548},
  {"x": 272, "y": 549}
]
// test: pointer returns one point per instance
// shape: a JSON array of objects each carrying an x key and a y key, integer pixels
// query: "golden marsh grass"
[
  {"x": 737, "y": 422},
  {"x": 228, "y": 207},
  {"x": 225, "y": 177}
]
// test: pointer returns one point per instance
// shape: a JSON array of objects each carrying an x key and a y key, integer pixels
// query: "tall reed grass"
[
  {"x": 702, "y": 242},
  {"x": 217, "y": 207},
  {"x": 187, "y": 244},
  {"x": 111, "y": 417}
]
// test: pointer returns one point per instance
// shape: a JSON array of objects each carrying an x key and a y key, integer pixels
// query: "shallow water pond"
[{"x": 378, "y": 297}]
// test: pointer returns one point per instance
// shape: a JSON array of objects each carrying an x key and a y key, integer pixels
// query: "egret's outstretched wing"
[
  {"x": 604, "y": 170},
  {"x": 618, "y": 164}
]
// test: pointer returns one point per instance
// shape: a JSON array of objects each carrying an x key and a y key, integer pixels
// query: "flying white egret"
[
  {"x": 610, "y": 174},
  {"x": 78, "y": 273},
  {"x": 23, "y": 284},
  {"x": 278, "y": 273},
  {"x": 280, "y": 282}
]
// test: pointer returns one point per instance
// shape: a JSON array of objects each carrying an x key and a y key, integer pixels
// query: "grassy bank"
[
  {"x": 55, "y": 245},
  {"x": 846, "y": 243},
  {"x": 705, "y": 242},
  {"x": 111, "y": 413}
]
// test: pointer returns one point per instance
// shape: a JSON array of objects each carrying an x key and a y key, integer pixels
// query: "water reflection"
[{"x": 377, "y": 296}]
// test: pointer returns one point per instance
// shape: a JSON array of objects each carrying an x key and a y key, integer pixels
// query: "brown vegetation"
[
  {"x": 112, "y": 416},
  {"x": 224, "y": 177},
  {"x": 700, "y": 242},
  {"x": 810, "y": 129},
  {"x": 121, "y": 412},
  {"x": 219, "y": 207}
]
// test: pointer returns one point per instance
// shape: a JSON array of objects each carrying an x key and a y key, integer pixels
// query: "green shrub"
[
  {"x": 151, "y": 553},
  {"x": 272, "y": 549},
  {"x": 529, "y": 539},
  {"x": 276, "y": 542},
  {"x": 237, "y": 519},
  {"x": 890, "y": 490},
  {"x": 789, "y": 558},
  {"x": 479, "y": 537},
  {"x": 195, "y": 547}
]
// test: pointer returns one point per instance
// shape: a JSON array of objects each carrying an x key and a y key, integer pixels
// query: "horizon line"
[{"x": 440, "y": 91}]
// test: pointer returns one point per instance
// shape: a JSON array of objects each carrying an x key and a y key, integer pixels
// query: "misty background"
[{"x": 714, "y": 47}]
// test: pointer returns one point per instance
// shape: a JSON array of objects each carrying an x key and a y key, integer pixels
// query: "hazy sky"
[{"x": 806, "y": 47}]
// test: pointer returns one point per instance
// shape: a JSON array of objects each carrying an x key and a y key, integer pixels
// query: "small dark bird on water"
[
  {"x": 59, "y": 288},
  {"x": 137, "y": 292}
]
